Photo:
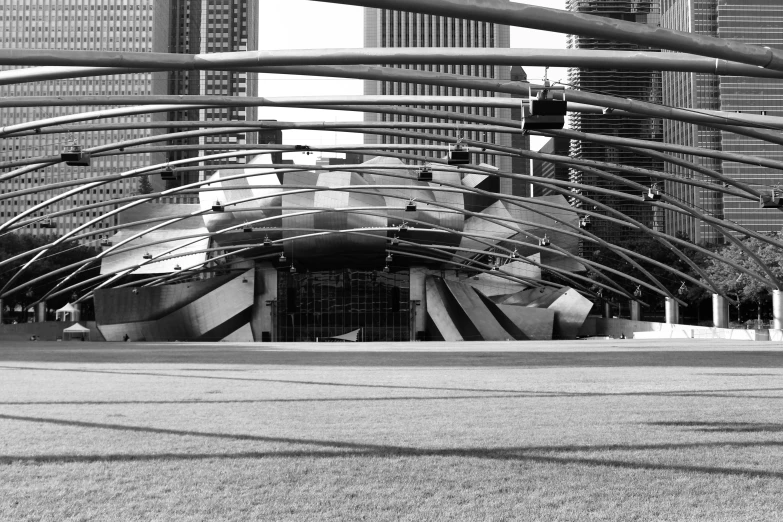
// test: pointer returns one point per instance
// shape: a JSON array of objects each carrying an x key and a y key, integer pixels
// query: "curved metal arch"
[
  {"x": 241, "y": 248},
  {"x": 747, "y": 159},
  {"x": 459, "y": 188},
  {"x": 71, "y": 63},
  {"x": 772, "y": 277},
  {"x": 670, "y": 246},
  {"x": 619, "y": 104},
  {"x": 501, "y": 126},
  {"x": 626, "y": 196},
  {"x": 169, "y": 220},
  {"x": 276, "y": 217},
  {"x": 128, "y": 174},
  {"x": 577, "y": 100},
  {"x": 408, "y": 147},
  {"x": 554, "y": 20},
  {"x": 665, "y": 291},
  {"x": 618, "y": 142},
  {"x": 543, "y": 157},
  {"x": 601, "y": 173},
  {"x": 99, "y": 114},
  {"x": 448, "y": 251},
  {"x": 432, "y": 137},
  {"x": 684, "y": 209},
  {"x": 554, "y": 158},
  {"x": 127, "y": 143}
]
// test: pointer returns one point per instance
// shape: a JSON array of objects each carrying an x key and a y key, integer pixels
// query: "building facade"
[
  {"x": 72, "y": 25},
  {"x": 207, "y": 26},
  {"x": 392, "y": 28},
  {"x": 364, "y": 267},
  {"x": 186, "y": 26},
  {"x": 759, "y": 23},
  {"x": 548, "y": 170},
  {"x": 637, "y": 85}
]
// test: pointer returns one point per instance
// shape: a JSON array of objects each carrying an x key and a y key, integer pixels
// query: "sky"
[{"x": 306, "y": 24}]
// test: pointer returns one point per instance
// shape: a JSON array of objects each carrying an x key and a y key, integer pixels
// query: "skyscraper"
[
  {"x": 758, "y": 23},
  {"x": 207, "y": 26},
  {"x": 391, "y": 28},
  {"x": 638, "y": 85},
  {"x": 72, "y": 25},
  {"x": 185, "y": 26}
]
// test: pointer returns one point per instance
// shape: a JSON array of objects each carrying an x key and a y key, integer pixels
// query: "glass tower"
[
  {"x": 100, "y": 25},
  {"x": 637, "y": 85},
  {"x": 391, "y": 28},
  {"x": 759, "y": 23},
  {"x": 207, "y": 26},
  {"x": 184, "y": 26}
]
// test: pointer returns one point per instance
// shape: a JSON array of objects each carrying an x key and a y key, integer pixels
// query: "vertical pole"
[
  {"x": 672, "y": 311},
  {"x": 636, "y": 310},
  {"x": 777, "y": 310},
  {"x": 720, "y": 311},
  {"x": 607, "y": 310},
  {"x": 40, "y": 312}
]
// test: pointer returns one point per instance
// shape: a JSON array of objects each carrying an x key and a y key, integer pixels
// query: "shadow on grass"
[
  {"x": 515, "y": 395},
  {"x": 341, "y": 449},
  {"x": 264, "y": 401},
  {"x": 723, "y": 427},
  {"x": 721, "y": 393},
  {"x": 210, "y": 354}
]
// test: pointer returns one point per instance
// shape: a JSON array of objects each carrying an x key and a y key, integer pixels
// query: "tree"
[
  {"x": 748, "y": 290},
  {"x": 145, "y": 186},
  {"x": 655, "y": 250},
  {"x": 60, "y": 256}
]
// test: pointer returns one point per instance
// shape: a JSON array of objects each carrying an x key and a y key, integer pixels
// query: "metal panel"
[
  {"x": 571, "y": 309},
  {"x": 438, "y": 313},
  {"x": 196, "y": 319},
  {"x": 536, "y": 323},
  {"x": 489, "y": 328}
]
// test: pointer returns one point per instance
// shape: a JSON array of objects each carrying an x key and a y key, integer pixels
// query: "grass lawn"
[{"x": 558, "y": 431}]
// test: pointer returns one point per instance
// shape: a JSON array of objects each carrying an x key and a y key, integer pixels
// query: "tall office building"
[
  {"x": 758, "y": 23},
  {"x": 105, "y": 25},
  {"x": 391, "y": 28},
  {"x": 207, "y": 26},
  {"x": 72, "y": 25},
  {"x": 638, "y": 85}
]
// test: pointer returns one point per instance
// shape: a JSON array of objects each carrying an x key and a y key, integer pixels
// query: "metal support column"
[
  {"x": 607, "y": 310},
  {"x": 777, "y": 310},
  {"x": 720, "y": 311},
  {"x": 636, "y": 310},
  {"x": 40, "y": 312},
  {"x": 672, "y": 311}
]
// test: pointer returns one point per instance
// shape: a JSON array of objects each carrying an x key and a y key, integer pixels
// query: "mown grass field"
[{"x": 559, "y": 431}]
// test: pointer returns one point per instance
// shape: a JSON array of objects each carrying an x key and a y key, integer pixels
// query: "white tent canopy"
[
  {"x": 76, "y": 331},
  {"x": 67, "y": 313}
]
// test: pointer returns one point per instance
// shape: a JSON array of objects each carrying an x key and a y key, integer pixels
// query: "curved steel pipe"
[
  {"x": 408, "y": 147},
  {"x": 58, "y": 64},
  {"x": 501, "y": 126},
  {"x": 555, "y": 20},
  {"x": 342, "y": 167}
]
